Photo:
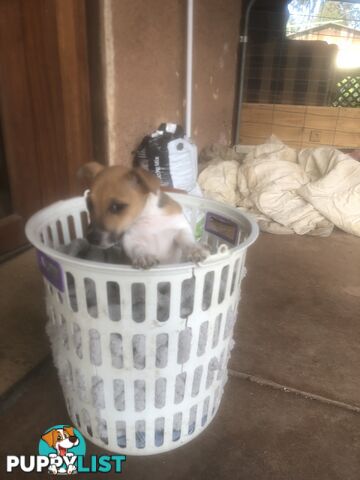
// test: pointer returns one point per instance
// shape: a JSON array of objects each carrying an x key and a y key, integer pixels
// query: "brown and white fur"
[
  {"x": 61, "y": 439},
  {"x": 127, "y": 206}
]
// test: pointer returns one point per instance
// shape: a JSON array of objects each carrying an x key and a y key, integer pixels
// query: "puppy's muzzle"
[
  {"x": 99, "y": 238},
  {"x": 95, "y": 237}
]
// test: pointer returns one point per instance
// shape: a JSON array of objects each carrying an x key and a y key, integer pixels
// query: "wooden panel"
[
  {"x": 44, "y": 100},
  {"x": 16, "y": 112},
  {"x": 287, "y": 117},
  {"x": 73, "y": 62},
  {"x": 315, "y": 137},
  {"x": 343, "y": 139},
  {"x": 301, "y": 126},
  {"x": 293, "y": 134}
]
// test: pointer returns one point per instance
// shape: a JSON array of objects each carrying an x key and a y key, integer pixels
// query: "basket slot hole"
[
  {"x": 52, "y": 316},
  {"x": 196, "y": 381},
  {"x": 139, "y": 395},
  {"x": 50, "y": 237},
  {"x": 70, "y": 281},
  {"x": 208, "y": 290},
  {"x": 42, "y": 238},
  {"x": 95, "y": 347},
  {"x": 77, "y": 420},
  {"x": 216, "y": 400},
  {"x": 86, "y": 421},
  {"x": 229, "y": 323},
  {"x": 203, "y": 335},
  {"x": 97, "y": 392},
  {"x": 84, "y": 219},
  {"x": 162, "y": 344},
  {"x": 138, "y": 301},
  {"x": 180, "y": 387},
  {"x": 236, "y": 266},
  {"x": 187, "y": 297},
  {"x": 116, "y": 350},
  {"x": 80, "y": 385},
  {"x": 223, "y": 283},
  {"x": 163, "y": 301},
  {"x": 184, "y": 345},
  {"x": 160, "y": 392},
  {"x": 177, "y": 426},
  {"x": 101, "y": 430},
  {"x": 67, "y": 374},
  {"x": 192, "y": 419},
  {"x": 91, "y": 300},
  {"x": 60, "y": 233},
  {"x": 69, "y": 406},
  {"x": 119, "y": 394},
  {"x": 64, "y": 333},
  {"x": 221, "y": 365},
  {"x": 159, "y": 431},
  {"x": 77, "y": 339},
  {"x": 113, "y": 298},
  {"x": 212, "y": 242},
  {"x": 121, "y": 433},
  {"x": 139, "y": 351},
  {"x": 216, "y": 335},
  {"x": 71, "y": 227},
  {"x": 205, "y": 411},
  {"x": 140, "y": 434},
  {"x": 212, "y": 368}
]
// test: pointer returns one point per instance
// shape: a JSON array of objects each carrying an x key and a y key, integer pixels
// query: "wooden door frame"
[{"x": 44, "y": 105}]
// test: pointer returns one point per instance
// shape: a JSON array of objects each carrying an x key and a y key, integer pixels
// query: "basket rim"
[{"x": 32, "y": 226}]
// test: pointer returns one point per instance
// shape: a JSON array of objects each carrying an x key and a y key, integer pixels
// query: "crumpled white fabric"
[
  {"x": 335, "y": 193},
  {"x": 290, "y": 192},
  {"x": 219, "y": 182}
]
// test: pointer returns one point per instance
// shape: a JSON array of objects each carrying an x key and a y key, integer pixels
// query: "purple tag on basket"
[
  {"x": 222, "y": 227},
  {"x": 51, "y": 270}
]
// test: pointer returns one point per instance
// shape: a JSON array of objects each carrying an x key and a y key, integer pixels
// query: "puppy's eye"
[
  {"x": 59, "y": 437},
  {"x": 116, "y": 207}
]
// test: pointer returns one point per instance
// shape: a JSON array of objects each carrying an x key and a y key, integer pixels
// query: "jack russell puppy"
[
  {"x": 127, "y": 207},
  {"x": 61, "y": 439}
]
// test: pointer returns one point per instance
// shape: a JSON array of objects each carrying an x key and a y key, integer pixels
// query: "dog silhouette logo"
[{"x": 62, "y": 444}]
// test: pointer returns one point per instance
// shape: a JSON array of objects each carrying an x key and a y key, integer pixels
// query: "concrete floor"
[
  {"x": 23, "y": 343},
  {"x": 291, "y": 406}
]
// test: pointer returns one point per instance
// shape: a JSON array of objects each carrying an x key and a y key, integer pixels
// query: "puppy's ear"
[
  {"x": 87, "y": 173},
  {"x": 146, "y": 180},
  {"x": 50, "y": 438}
]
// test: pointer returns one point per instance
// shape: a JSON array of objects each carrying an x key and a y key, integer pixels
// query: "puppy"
[
  {"x": 61, "y": 439},
  {"x": 127, "y": 206}
]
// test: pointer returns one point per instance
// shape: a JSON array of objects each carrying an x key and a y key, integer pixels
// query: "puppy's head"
[
  {"x": 117, "y": 197},
  {"x": 62, "y": 437}
]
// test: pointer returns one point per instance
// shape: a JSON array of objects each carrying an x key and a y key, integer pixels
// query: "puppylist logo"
[{"x": 62, "y": 451}]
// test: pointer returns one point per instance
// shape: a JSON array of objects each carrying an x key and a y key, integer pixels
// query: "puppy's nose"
[
  {"x": 73, "y": 439},
  {"x": 94, "y": 237}
]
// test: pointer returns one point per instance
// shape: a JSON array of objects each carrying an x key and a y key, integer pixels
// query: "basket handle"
[{"x": 222, "y": 252}]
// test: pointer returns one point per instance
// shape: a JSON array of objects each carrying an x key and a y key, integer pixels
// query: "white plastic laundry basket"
[{"x": 142, "y": 355}]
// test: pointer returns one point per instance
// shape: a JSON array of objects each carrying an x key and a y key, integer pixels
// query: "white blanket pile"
[{"x": 306, "y": 192}]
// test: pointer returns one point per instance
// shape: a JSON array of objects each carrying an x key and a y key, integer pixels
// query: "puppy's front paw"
[
  {"x": 53, "y": 470},
  {"x": 197, "y": 253},
  {"x": 71, "y": 470},
  {"x": 145, "y": 261}
]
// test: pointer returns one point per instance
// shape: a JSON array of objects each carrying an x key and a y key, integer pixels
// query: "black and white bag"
[{"x": 171, "y": 156}]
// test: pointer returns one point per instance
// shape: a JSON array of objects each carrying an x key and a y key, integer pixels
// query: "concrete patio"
[{"x": 291, "y": 408}]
